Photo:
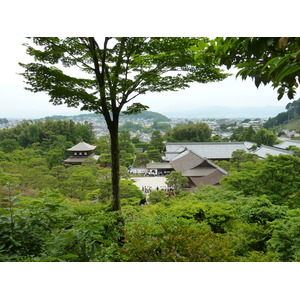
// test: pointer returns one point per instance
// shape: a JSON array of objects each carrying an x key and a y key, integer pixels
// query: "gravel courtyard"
[{"x": 152, "y": 182}]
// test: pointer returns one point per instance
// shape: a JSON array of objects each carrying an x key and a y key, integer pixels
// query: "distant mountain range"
[
  {"x": 204, "y": 112},
  {"x": 228, "y": 112},
  {"x": 146, "y": 115}
]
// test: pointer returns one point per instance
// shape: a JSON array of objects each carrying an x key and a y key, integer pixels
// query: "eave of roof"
[
  {"x": 159, "y": 166},
  {"x": 288, "y": 143},
  {"x": 73, "y": 159},
  {"x": 78, "y": 159},
  {"x": 211, "y": 179},
  {"x": 263, "y": 151},
  {"x": 198, "y": 172}
]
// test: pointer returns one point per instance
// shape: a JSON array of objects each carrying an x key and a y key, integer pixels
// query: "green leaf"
[
  {"x": 257, "y": 81},
  {"x": 194, "y": 48},
  {"x": 49, "y": 259},
  {"x": 278, "y": 63},
  {"x": 280, "y": 95},
  {"x": 270, "y": 62},
  {"x": 135, "y": 108},
  {"x": 288, "y": 71},
  {"x": 67, "y": 256}
]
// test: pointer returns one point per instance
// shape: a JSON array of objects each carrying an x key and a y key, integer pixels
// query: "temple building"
[
  {"x": 81, "y": 152},
  {"x": 200, "y": 170}
]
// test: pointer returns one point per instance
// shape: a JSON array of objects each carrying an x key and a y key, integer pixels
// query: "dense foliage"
[
  {"x": 3, "y": 121},
  {"x": 278, "y": 177},
  {"x": 274, "y": 60},
  {"x": 46, "y": 135},
  {"x": 194, "y": 132},
  {"x": 260, "y": 137},
  {"x": 49, "y": 212},
  {"x": 64, "y": 214},
  {"x": 146, "y": 115}
]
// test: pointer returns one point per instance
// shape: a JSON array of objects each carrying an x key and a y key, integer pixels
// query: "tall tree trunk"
[
  {"x": 115, "y": 177},
  {"x": 115, "y": 168}
]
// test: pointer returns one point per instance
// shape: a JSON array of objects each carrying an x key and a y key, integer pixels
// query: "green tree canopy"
[
  {"x": 196, "y": 132},
  {"x": 141, "y": 159},
  {"x": 260, "y": 137},
  {"x": 278, "y": 177},
  {"x": 125, "y": 142},
  {"x": 266, "y": 60},
  {"x": 157, "y": 141},
  {"x": 48, "y": 134},
  {"x": 114, "y": 72},
  {"x": 265, "y": 137},
  {"x": 176, "y": 181},
  {"x": 285, "y": 241}
]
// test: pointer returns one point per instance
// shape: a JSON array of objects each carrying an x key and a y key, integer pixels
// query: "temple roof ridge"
[{"x": 82, "y": 146}]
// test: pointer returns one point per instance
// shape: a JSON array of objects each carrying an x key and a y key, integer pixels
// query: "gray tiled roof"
[
  {"x": 288, "y": 143},
  {"x": 74, "y": 159},
  {"x": 199, "y": 169},
  {"x": 96, "y": 157},
  {"x": 263, "y": 151},
  {"x": 80, "y": 159},
  {"x": 169, "y": 156},
  {"x": 198, "y": 172},
  {"x": 209, "y": 150},
  {"x": 186, "y": 160},
  {"x": 249, "y": 144},
  {"x": 211, "y": 179},
  {"x": 82, "y": 146}
]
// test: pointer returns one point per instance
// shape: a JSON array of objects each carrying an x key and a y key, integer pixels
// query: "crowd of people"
[
  {"x": 147, "y": 173},
  {"x": 149, "y": 189}
]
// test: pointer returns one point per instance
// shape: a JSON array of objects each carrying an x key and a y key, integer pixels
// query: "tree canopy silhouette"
[{"x": 114, "y": 72}]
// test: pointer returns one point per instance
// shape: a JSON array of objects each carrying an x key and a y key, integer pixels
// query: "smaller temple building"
[{"x": 80, "y": 152}]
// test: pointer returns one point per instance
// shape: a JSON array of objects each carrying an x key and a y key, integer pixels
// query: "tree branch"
[{"x": 100, "y": 75}]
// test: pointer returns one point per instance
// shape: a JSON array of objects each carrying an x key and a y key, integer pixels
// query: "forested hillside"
[
  {"x": 284, "y": 119},
  {"x": 146, "y": 115},
  {"x": 3, "y": 121}
]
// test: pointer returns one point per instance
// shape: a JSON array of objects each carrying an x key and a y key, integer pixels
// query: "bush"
[
  {"x": 285, "y": 240},
  {"x": 170, "y": 239},
  {"x": 157, "y": 196}
]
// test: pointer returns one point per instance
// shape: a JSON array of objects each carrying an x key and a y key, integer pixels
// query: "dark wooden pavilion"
[{"x": 80, "y": 152}]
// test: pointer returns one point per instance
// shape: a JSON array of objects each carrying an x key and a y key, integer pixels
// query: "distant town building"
[{"x": 81, "y": 152}]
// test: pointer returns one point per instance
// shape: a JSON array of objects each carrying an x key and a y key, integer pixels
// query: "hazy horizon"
[
  {"x": 217, "y": 112},
  {"x": 231, "y": 92}
]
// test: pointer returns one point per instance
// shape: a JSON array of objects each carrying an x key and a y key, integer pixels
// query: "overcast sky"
[{"x": 16, "y": 102}]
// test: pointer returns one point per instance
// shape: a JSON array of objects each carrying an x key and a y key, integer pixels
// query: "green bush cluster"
[
  {"x": 54, "y": 213},
  {"x": 185, "y": 228}
]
